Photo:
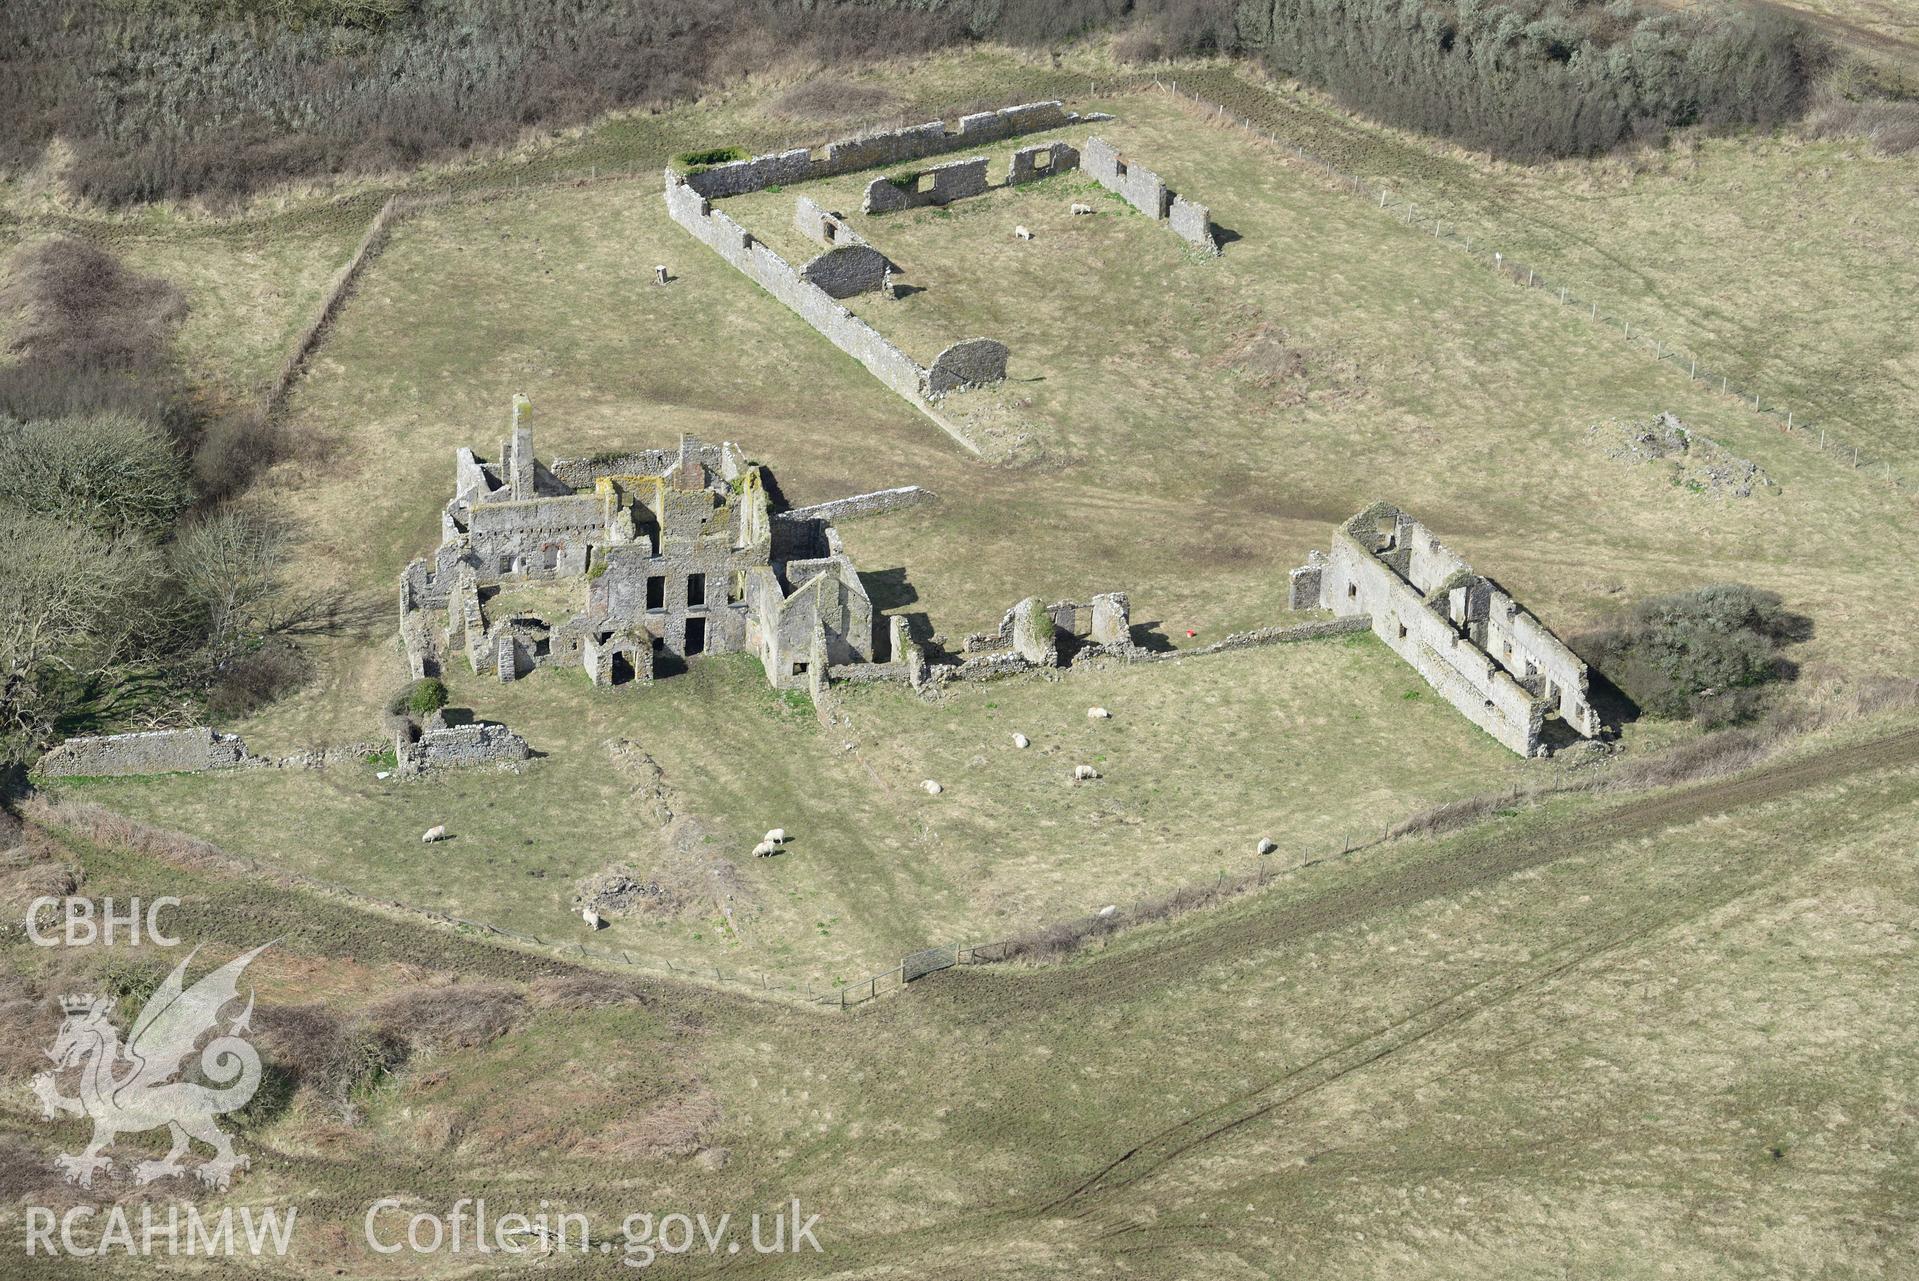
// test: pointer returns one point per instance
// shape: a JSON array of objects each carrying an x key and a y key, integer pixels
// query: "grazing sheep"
[
  {"x": 1084, "y": 773},
  {"x": 1098, "y": 714},
  {"x": 777, "y": 836},
  {"x": 1022, "y": 233},
  {"x": 765, "y": 849},
  {"x": 1082, "y": 209},
  {"x": 434, "y": 833},
  {"x": 1265, "y": 846},
  {"x": 1108, "y": 910},
  {"x": 932, "y": 788},
  {"x": 591, "y": 917},
  {"x": 1020, "y": 740}
]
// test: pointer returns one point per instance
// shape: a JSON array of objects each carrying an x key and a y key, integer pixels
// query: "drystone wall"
[
  {"x": 939, "y": 185},
  {"x": 1493, "y": 661},
  {"x": 476, "y": 743},
  {"x": 772, "y": 273},
  {"x": 822, "y": 225},
  {"x": 1043, "y": 161},
  {"x": 846, "y": 270},
  {"x": 1143, "y": 189},
  {"x": 165, "y": 751},
  {"x": 880, "y": 500},
  {"x": 975, "y": 362},
  {"x": 891, "y": 147}
]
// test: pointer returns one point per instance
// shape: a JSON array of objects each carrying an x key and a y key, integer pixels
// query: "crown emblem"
[{"x": 80, "y": 1003}]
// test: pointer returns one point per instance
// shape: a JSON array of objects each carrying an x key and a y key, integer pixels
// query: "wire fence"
[
  {"x": 1800, "y": 422},
  {"x": 1066, "y": 936},
  {"x": 1795, "y": 421}
]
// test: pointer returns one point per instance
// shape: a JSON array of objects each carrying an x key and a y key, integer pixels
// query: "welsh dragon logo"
[{"x": 131, "y": 1088}]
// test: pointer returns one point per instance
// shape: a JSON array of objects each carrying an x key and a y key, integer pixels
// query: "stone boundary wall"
[
  {"x": 880, "y": 500},
  {"x": 846, "y": 270},
  {"x": 971, "y": 362},
  {"x": 1268, "y": 636},
  {"x": 1024, "y": 167},
  {"x": 1141, "y": 188},
  {"x": 890, "y": 147},
  {"x": 822, "y": 225},
  {"x": 475, "y": 743},
  {"x": 954, "y": 180},
  {"x": 163, "y": 751},
  {"x": 1429, "y": 607},
  {"x": 772, "y": 273}
]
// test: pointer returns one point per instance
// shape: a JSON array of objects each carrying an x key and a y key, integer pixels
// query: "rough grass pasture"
[{"x": 1203, "y": 757}]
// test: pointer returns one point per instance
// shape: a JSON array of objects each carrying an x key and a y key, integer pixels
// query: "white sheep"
[
  {"x": 1098, "y": 714},
  {"x": 1020, "y": 740},
  {"x": 932, "y": 788},
  {"x": 776, "y": 837},
  {"x": 1108, "y": 910},
  {"x": 1084, "y": 773},
  {"x": 1082, "y": 209},
  {"x": 1265, "y": 846},
  {"x": 765, "y": 849},
  {"x": 434, "y": 833},
  {"x": 1022, "y": 233},
  {"x": 591, "y": 917}
]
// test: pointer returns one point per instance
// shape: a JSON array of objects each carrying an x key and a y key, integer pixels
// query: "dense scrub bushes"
[
  {"x": 171, "y": 98},
  {"x": 181, "y": 98},
  {"x": 1523, "y": 78},
  {"x": 122, "y": 583},
  {"x": 1697, "y": 653}
]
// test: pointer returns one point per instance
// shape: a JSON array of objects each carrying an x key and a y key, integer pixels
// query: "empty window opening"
[
  {"x": 799, "y": 669},
  {"x": 659, "y": 644},
  {"x": 695, "y": 636},
  {"x": 828, "y": 232},
  {"x": 1402, "y": 631},
  {"x": 622, "y": 670},
  {"x": 1352, "y": 591},
  {"x": 696, "y": 589},
  {"x": 656, "y": 592},
  {"x": 1042, "y": 161},
  {"x": 542, "y": 648},
  {"x": 926, "y": 183},
  {"x": 1119, "y": 168}
]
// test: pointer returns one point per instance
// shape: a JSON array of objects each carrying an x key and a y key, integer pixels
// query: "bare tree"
[
  {"x": 111, "y": 472},
  {"x": 74, "y": 605},
  {"x": 228, "y": 566}
]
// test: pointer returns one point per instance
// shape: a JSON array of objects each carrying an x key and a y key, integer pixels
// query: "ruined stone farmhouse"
[
  {"x": 627, "y": 565},
  {"x": 1483, "y": 652}
]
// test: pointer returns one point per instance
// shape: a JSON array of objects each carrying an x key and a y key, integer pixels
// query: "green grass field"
[
  {"x": 1203, "y": 757},
  {"x": 1658, "y": 1034},
  {"x": 1178, "y": 428},
  {"x": 1661, "y": 1033}
]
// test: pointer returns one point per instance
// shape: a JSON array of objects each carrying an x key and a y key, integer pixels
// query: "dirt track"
[
  {"x": 1449, "y": 873},
  {"x": 1454, "y": 867}
]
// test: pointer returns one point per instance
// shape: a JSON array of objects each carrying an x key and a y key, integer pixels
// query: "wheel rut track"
[
  {"x": 1085, "y": 1200},
  {"x": 1451, "y": 871}
]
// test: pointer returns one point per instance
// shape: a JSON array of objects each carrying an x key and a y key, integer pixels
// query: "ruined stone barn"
[
  {"x": 1483, "y": 652},
  {"x": 627, "y": 565}
]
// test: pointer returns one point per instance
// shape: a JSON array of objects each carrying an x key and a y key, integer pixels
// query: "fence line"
[
  {"x": 846, "y": 995},
  {"x": 1145, "y": 910},
  {"x": 1791, "y": 421}
]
